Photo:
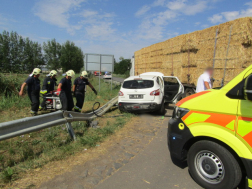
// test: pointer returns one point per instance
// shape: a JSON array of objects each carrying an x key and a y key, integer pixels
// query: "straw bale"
[
  {"x": 173, "y": 53},
  {"x": 189, "y": 45}
]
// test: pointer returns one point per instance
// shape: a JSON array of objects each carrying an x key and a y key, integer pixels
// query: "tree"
[
  {"x": 123, "y": 66},
  {"x": 4, "y": 51},
  {"x": 52, "y": 53},
  {"x": 33, "y": 56},
  {"x": 71, "y": 57},
  {"x": 18, "y": 54}
]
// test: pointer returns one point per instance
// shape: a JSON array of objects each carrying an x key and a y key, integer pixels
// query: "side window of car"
[{"x": 158, "y": 81}]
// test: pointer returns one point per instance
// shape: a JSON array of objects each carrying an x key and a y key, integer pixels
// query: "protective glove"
[
  {"x": 95, "y": 91},
  {"x": 58, "y": 92}
]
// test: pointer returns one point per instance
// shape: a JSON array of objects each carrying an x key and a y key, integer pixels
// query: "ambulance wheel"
[{"x": 213, "y": 166}]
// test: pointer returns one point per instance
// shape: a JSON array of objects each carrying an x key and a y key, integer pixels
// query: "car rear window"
[{"x": 138, "y": 84}]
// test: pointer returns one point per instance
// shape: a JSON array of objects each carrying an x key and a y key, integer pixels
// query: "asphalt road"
[
  {"x": 118, "y": 79},
  {"x": 152, "y": 168}
]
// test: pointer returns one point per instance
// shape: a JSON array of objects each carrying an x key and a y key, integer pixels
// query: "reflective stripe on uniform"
[
  {"x": 43, "y": 91},
  {"x": 249, "y": 183}
]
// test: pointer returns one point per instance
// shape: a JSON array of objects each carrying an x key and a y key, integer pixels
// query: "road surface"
[
  {"x": 152, "y": 168},
  {"x": 136, "y": 158},
  {"x": 118, "y": 79}
]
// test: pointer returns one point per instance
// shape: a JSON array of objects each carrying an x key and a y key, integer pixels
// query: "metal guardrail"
[{"x": 31, "y": 124}]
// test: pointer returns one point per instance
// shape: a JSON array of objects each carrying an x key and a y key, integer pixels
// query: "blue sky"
[{"x": 117, "y": 27}]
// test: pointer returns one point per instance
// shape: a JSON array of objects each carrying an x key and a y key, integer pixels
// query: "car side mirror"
[{"x": 248, "y": 88}]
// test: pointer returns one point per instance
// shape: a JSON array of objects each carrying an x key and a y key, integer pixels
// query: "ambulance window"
[{"x": 237, "y": 91}]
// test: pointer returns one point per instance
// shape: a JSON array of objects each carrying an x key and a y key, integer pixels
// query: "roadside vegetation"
[
  {"x": 124, "y": 76},
  {"x": 20, "y": 154},
  {"x": 122, "y": 68},
  {"x": 22, "y": 55}
]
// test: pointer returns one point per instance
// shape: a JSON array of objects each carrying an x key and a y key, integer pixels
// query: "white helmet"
[
  {"x": 53, "y": 73},
  {"x": 36, "y": 71},
  {"x": 70, "y": 73},
  {"x": 84, "y": 74}
]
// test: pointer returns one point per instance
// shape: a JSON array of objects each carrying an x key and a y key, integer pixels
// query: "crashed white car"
[{"x": 148, "y": 92}]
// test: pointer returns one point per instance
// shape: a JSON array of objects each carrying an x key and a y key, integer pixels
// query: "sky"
[{"x": 118, "y": 27}]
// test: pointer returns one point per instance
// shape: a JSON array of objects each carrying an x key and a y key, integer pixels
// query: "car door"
[
  {"x": 160, "y": 86},
  {"x": 173, "y": 88},
  {"x": 244, "y": 119}
]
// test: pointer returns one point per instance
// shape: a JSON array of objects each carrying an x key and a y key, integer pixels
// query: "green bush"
[{"x": 9, "y": 85}]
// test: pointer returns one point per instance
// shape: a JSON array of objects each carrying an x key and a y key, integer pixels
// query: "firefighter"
[
  {"x": 48, "y": 87},
  {"x": 33, "y": 88},
  {"x": 79, "y": 89},
  {"x": 64, "y": 91}
]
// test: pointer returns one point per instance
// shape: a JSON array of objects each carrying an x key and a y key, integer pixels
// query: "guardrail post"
[{"x": 70, "y": 129}]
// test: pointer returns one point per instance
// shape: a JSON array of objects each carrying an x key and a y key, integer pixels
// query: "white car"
[
  {"x": 148, "y": 92},
  {"x": 107, "y": 76}
]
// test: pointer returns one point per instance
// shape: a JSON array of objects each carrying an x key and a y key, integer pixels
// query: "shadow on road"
[{"x": 178, "y": 163}]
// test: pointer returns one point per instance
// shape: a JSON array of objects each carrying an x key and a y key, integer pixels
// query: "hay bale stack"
[{"x": 192, "y": 53}]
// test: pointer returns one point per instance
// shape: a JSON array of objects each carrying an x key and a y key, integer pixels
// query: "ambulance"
[{"x": 212, "y": 132}]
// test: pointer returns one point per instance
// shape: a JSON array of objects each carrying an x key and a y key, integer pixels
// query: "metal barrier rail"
[{"x": 31, "y": 124}]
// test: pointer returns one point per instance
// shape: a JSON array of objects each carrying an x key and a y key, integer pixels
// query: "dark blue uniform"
[
  {"x": 33, "y": 88},
  {"x": 80, "y": 89},
  {"x": 66, "y": 97},
  {"x": 48, "y": 86}
]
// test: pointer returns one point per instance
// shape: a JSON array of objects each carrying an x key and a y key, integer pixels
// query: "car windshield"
[{"x": 138, "y": 84}]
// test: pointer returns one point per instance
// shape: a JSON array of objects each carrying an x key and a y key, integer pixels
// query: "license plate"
[{"x": 135, "y": 96}]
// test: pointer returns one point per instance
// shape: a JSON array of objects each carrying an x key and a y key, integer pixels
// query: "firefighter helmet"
[
  {"x": 70, "y": 73},
  {"x": 36, "y": 71},
  {"x": 53, "y": 73},
  {"x": 84, "y": 74}
]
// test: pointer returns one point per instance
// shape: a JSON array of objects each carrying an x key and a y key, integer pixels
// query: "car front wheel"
[{"x": 213, "y": 166}]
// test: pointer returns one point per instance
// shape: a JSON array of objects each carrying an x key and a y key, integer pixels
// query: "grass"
[
  {"x": 20, "y": 154},
  {"x": 121, "y": 75},
  {"x": 10, "y": 85},
  {"x": 34, "y": 150}
]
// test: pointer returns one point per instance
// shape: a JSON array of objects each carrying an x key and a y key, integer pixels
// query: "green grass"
[
  {"x": 121, "y": 75},
  {"x": 34, "y": 150},
  {"x": 10, "y": 85},
  {"x": 20, "y": 154}
]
